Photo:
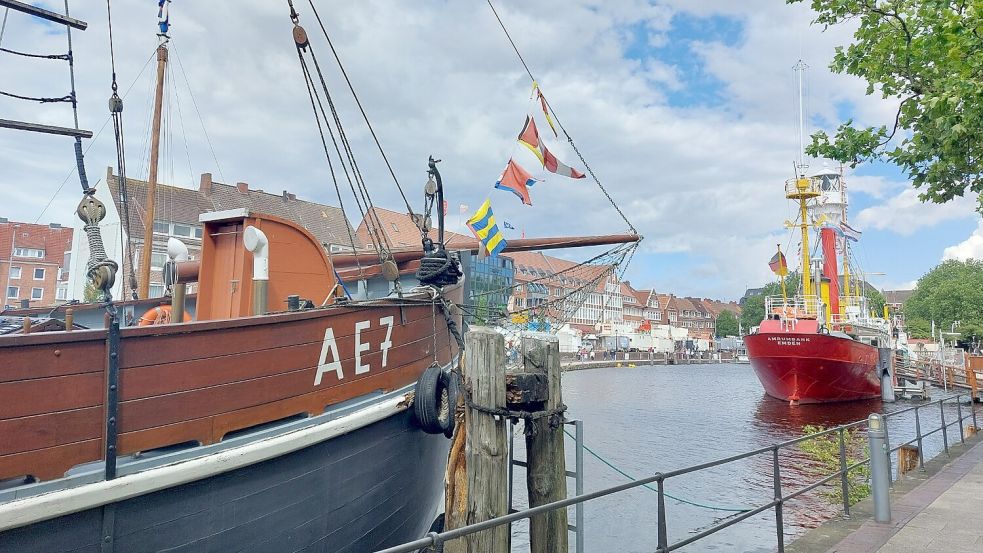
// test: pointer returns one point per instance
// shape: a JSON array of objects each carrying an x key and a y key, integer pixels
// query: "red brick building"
[{"x": 33, "y": 262}]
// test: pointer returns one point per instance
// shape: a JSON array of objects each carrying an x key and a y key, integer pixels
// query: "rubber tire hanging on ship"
[{"x": 435, "y": 397}]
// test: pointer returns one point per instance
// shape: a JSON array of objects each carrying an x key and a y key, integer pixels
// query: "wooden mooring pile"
[{"x": 478, "y": 472}]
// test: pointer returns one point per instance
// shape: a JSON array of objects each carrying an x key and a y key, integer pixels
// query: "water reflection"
[{"x": 779, "y": 420}]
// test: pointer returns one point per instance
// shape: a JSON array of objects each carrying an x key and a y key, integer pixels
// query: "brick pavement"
[{"x": 940, "y": 515}]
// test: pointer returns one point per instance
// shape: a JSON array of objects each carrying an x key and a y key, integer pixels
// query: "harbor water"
[{"x": 648, "y": 419}]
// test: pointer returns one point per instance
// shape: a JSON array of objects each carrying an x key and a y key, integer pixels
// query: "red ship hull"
[{"x": 809, "y": 367}]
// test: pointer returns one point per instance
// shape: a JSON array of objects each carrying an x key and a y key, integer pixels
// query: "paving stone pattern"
[{"x": 940, "y": 515}]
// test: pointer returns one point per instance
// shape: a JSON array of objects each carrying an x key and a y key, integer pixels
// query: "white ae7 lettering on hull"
[{"x": 330, "y": 360}]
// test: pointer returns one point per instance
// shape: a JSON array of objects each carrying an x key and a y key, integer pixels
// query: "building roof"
[
  {"x": 537, "y": 266},
  {"x": 701, "y": 305},
  {"x": 717, "y": 307},
  {"x": 401, "y": 231},
  {"x": 643, "y": 296},
  {"x": 684, "y": 304},
  {"x": 667, "y": 302},
  {"x": 629, "y": 293},
  {"x": 183, "y": 205},
  {"x": 897, "y": 296},
  {"x": 53, "y": 240}
]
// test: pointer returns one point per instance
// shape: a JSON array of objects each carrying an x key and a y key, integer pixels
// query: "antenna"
[{"x": 799, "y": 69}]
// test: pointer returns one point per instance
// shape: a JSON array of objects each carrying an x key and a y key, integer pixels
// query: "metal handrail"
[
  {"x": 433, "y": 538},
  {"x": 792, "y": 307}
]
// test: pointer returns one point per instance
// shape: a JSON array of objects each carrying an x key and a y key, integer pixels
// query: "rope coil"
[{"x": 439, "y": 269}]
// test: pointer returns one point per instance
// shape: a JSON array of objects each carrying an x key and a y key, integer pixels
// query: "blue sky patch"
[{"x": 699, "y": 88}]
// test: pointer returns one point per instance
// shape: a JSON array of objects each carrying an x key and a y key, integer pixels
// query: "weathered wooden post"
[
  {"x": 486, "y": 446},
  {"x": 546, "y": 466}
]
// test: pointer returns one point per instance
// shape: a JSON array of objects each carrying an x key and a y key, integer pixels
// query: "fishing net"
[{"x": 549, "y": 293}]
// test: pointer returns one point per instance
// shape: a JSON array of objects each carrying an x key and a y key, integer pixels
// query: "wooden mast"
[{"x": 148, "y": 218}]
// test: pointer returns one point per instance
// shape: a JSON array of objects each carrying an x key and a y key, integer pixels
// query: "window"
[
  {"x": 156, "y": 290},
  {"x": 177, "y": 229},
  {"x": 61, "y": 294},
  {"x": 157, "y": 260},
  {"x": 38, "y": 274},
  {"x": 37, "y": 293},
  {"x": 29, "y": 252},
  {"x": 13, "y": 292},
  {"x": 15, "y": 272}
]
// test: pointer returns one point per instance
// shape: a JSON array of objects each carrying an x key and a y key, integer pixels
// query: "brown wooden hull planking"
[{"x": 196, "y": 382}]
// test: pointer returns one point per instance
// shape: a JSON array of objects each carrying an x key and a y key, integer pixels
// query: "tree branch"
[{"x": 897, "y": 119}]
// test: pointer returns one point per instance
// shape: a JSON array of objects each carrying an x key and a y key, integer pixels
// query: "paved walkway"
[{"x": 940, "y": 515}]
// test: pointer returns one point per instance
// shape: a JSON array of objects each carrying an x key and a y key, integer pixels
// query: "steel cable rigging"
[{"x": 341, "y": 145}]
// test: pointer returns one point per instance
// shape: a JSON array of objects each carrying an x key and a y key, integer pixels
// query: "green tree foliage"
[
  {"x": 726, "y": 324},
  {"x": 918, "y": 328},
  {"x": 91, "y": 294},
  {"x": 952, "y": 291},
  {"x": 875, "y": 300},
  {"x": 928, "y": 54}
]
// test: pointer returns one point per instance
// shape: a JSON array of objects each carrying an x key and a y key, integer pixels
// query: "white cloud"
[
  {"x": 874, "y": 186},
  {"x": 970, "y": 248},
  {"x": 905, "y": 213}
]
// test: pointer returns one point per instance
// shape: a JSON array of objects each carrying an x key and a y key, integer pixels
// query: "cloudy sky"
[{"x": 685, "y": 110}]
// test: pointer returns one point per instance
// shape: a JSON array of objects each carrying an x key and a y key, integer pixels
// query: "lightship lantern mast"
[
  {"x": 846, "y": 245},
  {"x": 802, "y": 190}
]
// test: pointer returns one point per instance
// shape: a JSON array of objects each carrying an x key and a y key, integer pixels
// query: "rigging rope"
[
  {"x": 363, "y": 190},
  {"x": 324, "y": 144},
  {"x": 116, "y": 108},
  {"x": 194, "y": 102},
  {"x": 650, "y": 488},
  {"x": 562, "y": 128},
  {"x": 340, "y": 142},
  {"x": 3, "y": 27},
  {"x": 319, "y": 114},
  {"x": 66, "y": 57},
  {"x": 41, "y": 99},
  {"x": 89, "y": 147},
  {"x": 79, "y": 157},
  {"x": 365, "y": 116}
]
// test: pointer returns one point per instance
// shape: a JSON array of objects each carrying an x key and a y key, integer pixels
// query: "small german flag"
[{"x": 778, "y": 264}]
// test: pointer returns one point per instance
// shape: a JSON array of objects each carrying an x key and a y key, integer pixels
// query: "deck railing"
[
  {"x": 780, "y": 496},
  {"x": 792, "y": 307}
]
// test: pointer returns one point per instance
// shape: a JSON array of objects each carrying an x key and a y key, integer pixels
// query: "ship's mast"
[
  {"x": 799, "y": 69},
  {"x": 803, "y": 190},
  {"x": 148, "y": 218},
  {"x": 846, "y": 243}
]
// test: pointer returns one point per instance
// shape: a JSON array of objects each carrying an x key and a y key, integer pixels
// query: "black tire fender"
[
  {"x": 430, "y": 388},
  {"x": 453, "y": 388}
]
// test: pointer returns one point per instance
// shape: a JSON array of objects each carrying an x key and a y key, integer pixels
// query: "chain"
[{"x": 554, "y": 415}]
